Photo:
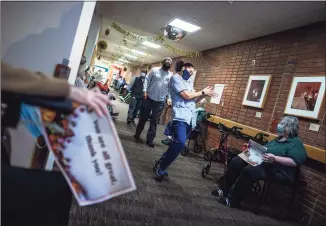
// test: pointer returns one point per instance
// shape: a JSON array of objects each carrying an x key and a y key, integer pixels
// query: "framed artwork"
[
  {"x": 306, "y": 97},
  {"x": 62, "y": 71},
  {"x": 256, "y": 91}
]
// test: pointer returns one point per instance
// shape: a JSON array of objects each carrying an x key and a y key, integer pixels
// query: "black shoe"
[
  {"x": 129, "y": 121},
  {"x": 137, "y": 139},
  {"x": 150, "y": 144}
]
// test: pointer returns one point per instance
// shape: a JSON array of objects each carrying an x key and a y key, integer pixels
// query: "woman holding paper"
[
  {"x": 184, "y": 116},
  {"x": 283, "y": 154}
]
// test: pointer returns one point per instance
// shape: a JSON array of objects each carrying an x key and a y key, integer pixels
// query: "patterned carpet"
[{"x": 184, "y": 199}]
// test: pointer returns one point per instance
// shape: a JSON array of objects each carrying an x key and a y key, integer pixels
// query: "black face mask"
[{"x": 166, "y": 66}]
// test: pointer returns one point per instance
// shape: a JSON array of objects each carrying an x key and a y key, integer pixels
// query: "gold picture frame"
[
  {"x": 306, "y": 99},
  {"x": 257, "y": 90}
]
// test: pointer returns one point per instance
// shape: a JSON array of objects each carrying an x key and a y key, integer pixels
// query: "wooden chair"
[{"x": 267, "y": 186}]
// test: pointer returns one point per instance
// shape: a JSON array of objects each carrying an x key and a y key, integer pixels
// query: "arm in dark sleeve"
[{"x": 297, "y": 153}]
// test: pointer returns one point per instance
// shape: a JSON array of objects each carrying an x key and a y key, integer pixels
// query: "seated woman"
[{"x": 283, "y": 154}]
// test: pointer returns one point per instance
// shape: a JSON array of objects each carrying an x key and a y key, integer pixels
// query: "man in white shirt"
[{"x": 156, "y": 93}]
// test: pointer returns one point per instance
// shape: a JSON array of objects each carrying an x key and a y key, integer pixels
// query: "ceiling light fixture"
[
  {"x": 152, "y": 45},
  {"x": 188, "y": 27},
  {"x": 138, "y": 52},
  {"x": 131, "y": 56},
  {"x": 118, "y": 62},
  {"x": 123, "y": 60},
  {"x": 135, "y": 51}
]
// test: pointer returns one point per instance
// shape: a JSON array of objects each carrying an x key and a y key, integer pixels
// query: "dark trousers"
[
  {"x": 180, "y": 131},
  {"x": 241, "y": 176},
  {"x": 148, "y": 106},
  {"x": 134, "y": 107},
  {"x": 33, "y": 197}
]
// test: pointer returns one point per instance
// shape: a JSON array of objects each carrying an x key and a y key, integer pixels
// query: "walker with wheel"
[
  {"x": 224, "y": 154},
  {"x": 221, "y": 152}
]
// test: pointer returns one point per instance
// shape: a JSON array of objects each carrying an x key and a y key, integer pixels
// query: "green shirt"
[{"x": 292, "y": 148}]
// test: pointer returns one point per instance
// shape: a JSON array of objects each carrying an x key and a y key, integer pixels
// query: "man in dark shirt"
[{"x": 136, "y": 89}]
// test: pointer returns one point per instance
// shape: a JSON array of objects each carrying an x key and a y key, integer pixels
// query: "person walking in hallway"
[
  {"x": 136, "y": 88},
  {"x": 184, "y": 116},
  {"x": 156, "y": 93}
]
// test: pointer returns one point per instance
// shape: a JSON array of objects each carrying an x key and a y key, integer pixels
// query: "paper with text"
[
  {"x": 89, "y": 154},
  {"x": 254, "y": 154},
  {"x": 218, "y": 89}
]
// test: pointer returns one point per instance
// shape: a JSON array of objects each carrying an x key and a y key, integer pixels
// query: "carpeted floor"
[{"x": 184, "y": 199}]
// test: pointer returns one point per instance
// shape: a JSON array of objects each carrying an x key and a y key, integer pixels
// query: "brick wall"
[{"x": 284, "y": 55}]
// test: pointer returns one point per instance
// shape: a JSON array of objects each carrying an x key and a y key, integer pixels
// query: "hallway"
[{"x": 184, "y": 199}]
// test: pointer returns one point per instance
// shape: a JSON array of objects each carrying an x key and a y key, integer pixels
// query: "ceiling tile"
[
  {"x": 298, "y": 21},
  {"x": 172, "y": 9},
  {"x": 153, "y": 25}
]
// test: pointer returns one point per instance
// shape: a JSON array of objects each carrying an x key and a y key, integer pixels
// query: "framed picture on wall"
[
  {"x": 306, "y": 97},
  {"x": 256, "y": 91}
]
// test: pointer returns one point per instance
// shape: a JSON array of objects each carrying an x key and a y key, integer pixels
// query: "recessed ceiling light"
[
  {"x": 152, "y": 45},
  {"x": 188, "y": 27},
  {"x": 118, "y": 62},
  {"x": 138, "y": 52},
  {"x": 131, "y": 56},
  {"x": 123, "y": 60}
]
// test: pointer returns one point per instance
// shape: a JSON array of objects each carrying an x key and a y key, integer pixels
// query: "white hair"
[{"x": 291, "y": 125}]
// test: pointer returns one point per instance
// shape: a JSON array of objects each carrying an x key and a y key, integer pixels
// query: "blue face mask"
[
  {"x": 186, "y": 75},
  {"x": 31, "y": 119},
  {"x": 280, "y": 129},
  {"x": 142, "y": 75}
]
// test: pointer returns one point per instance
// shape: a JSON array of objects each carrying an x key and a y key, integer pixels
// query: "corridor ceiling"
[{"x": 222, "y": 23}]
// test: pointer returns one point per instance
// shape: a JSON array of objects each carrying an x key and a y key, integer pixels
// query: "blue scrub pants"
[
  {"x": 180, "y": 131},
  {"x": 168, "y": 129}
]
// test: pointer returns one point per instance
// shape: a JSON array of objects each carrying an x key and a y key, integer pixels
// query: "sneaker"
[
  {"x": 160, "y": 175},
  {"x": 150, "y": 144},
  {"x": 156, "y": 166},
  {"x": 225, "y": 201},
  {"x": 228, "y": 202},
  {"x": 166, "y": 141},
  {"x": 218, "y": 192}
]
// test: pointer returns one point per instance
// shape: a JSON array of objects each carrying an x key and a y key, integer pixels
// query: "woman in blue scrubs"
[{"x": 184, "y": 99}]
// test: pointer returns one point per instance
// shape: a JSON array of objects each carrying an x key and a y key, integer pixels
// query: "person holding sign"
[
  {"x": 184, "y": 99},
  {"x": 25, "y": 82},
  {"x": 283, "y": 154}
]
